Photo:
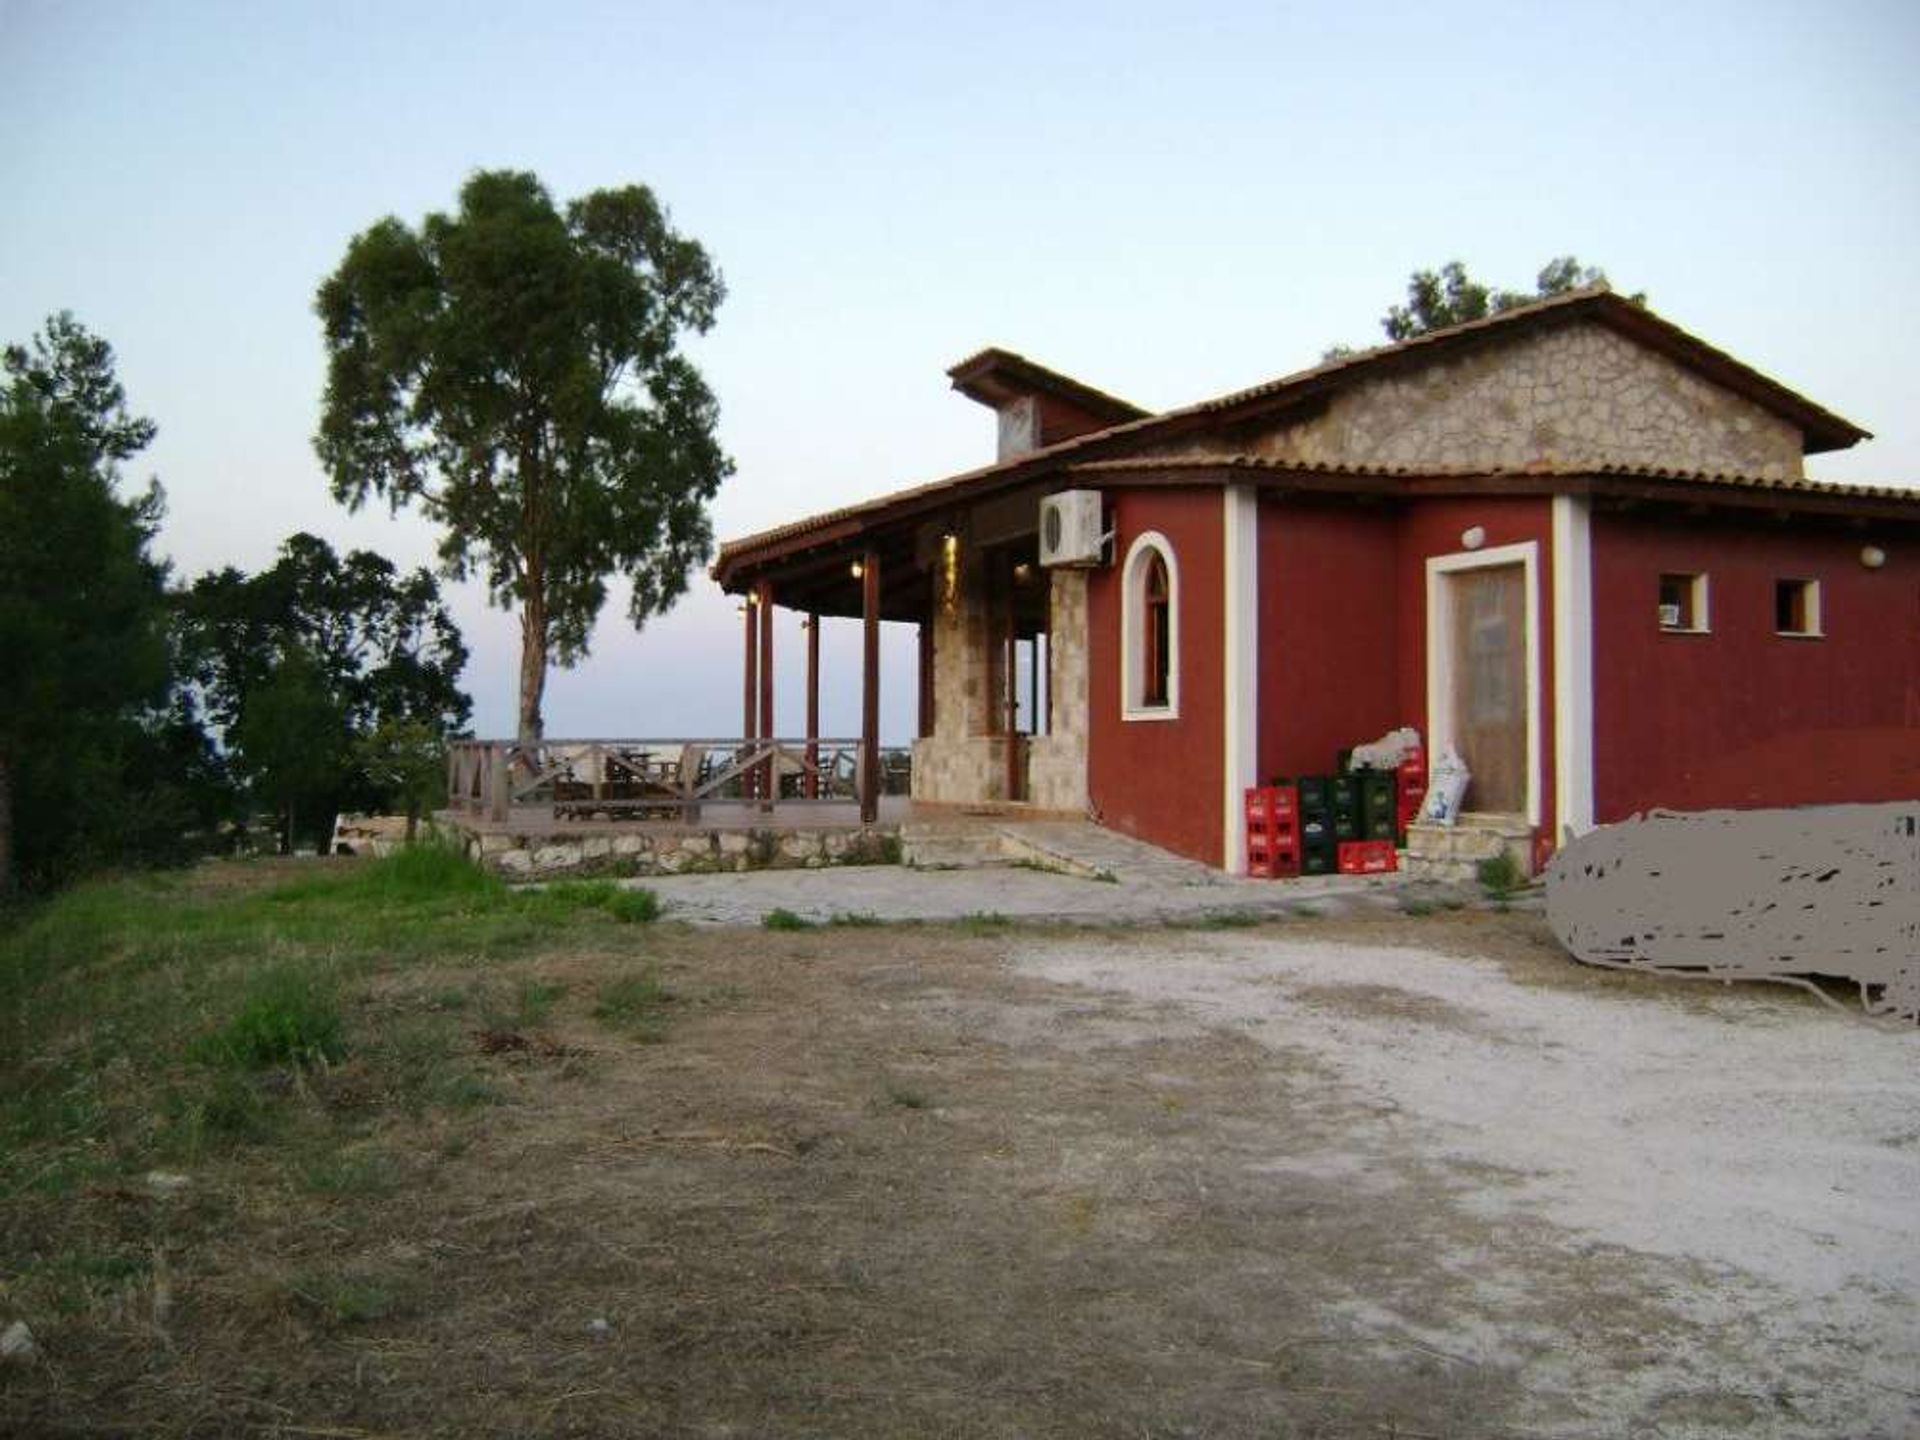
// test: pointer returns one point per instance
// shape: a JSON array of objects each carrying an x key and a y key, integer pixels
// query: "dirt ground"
[{"x": 1000, "y": 1181}]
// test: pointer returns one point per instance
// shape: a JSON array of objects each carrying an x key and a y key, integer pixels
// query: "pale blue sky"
[{"x": 1166, "y": 201}]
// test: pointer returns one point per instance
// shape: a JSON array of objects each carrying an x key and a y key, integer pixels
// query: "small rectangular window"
[
  {"x": 1683, "y": 602},
  {"x": 1796, "y": 607}
]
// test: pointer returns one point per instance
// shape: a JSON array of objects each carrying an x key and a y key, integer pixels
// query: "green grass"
[
  {"x": 1228, "y": 920},
  {"x": 637, "y": 1004},
  {"x": 907, "y": 1097},
  {"x": 780, "y": 918},
  {"x": 290, "y": 1016},
  {"x": 158, "y": 1019},
  {"x": 983, "y": 922},
  {"x": 352, "y": 1298}
]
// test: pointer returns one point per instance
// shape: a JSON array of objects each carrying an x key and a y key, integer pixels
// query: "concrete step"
[{"x": 950, "y": 846}]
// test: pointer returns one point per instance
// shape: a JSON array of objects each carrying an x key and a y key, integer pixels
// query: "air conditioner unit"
[
  {"x": 1070, "y": 532},
  {"x": 1669, "y": 617}
]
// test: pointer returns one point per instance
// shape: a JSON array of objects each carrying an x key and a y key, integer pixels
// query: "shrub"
[
  {"x": 1500, "y": 874},
  {"x": 783, "y": 919}
]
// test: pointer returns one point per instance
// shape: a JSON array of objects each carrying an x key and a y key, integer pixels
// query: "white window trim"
[
  {"x": 1240, "y": 581},
  {"x": 1132, "y": 606},
  {"x": 1701, "y": 602},
  {"x": 1810, "y": 596},
  {"x": 1573, "y": 743},
  {"x": 1440, "y": 654}
]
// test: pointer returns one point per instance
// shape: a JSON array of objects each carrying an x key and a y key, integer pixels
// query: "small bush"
[
  {"x": 629, "y": 907},
  {"x": 290, "y": 1016},
  {"x": 633, "y": 907},
  {"x": 1500, "y": 875},
  {"x": 855, "y": 920},
  {"x": 782, "y": 919}
]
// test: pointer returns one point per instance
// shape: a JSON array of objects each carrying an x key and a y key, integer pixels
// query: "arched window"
[
  {"x": 1157, "y": 633},
  {"x": 1150, "y": 631}
]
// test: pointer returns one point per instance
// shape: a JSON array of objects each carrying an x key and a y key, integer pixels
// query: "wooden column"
[
  {"x": 925, "y": 727},
  {"x": 813, "y": 707},
  {"x": 769, "y": 772},
  {"x": 750, "y": 690},
  {"x": 870, "y": 688}
]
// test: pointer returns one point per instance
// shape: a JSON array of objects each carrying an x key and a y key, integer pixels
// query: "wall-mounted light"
[
  {"x": 1022, "y": 571},
  {"x": 949, "y": 570},
  {"x": 1473, "y": 537},
  {"x": 753, "y": 597},
  {"x": 1872, "y": 556},
  {"x": 857, "y": 570}
]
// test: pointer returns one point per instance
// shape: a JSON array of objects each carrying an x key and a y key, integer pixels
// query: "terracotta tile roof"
[
  {"x": 1824, "y": 429},
  {"x": 1559, "y": 470},
  {"x": 985, "y": 376}
]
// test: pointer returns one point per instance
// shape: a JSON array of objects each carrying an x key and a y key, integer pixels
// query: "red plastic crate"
[
  {"x": 1367, "y": 857},
  {"x": 1266, "y": 803},
  {"x": 1413, "y": 770},
  {"x": 1273, "y": 831}
]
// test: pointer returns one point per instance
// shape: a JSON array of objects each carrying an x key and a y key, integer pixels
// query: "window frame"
[
  {"x": 1137, "y": 642},
  {"x": 1812, "y": 618},
  {"x": 1698, "y": 619}
]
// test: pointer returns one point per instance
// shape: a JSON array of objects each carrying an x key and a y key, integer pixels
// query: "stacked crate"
[
  {"x": 1413, "y": 790},
  {"x": 1319, "y": 841},
  {"x": 1273, "y": 831}
]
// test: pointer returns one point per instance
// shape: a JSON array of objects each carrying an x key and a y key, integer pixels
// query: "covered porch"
[{"x": 1000, "y": 674}]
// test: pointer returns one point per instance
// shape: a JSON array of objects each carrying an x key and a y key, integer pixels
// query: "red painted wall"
[
  {"x": 1162, "y": 780},
  {"x": 1433, "y": 527},
  {"x": 1741, "y": 717},
  {"x": 1330, "y": 594}
]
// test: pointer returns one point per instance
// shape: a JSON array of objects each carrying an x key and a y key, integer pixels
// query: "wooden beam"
[
  {"x": 750, "y": 686},
  {"x": 769, "y": 775},
  {"x": 870, "y": 688},
  {"x": 812, "y": 623}
]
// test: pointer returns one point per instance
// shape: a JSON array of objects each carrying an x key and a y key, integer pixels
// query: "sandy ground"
[
  {"x": 1328, "y": 1179},
  {"x": 1750, "y": 1167}
]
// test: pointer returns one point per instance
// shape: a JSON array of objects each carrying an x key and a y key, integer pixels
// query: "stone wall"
[
  {"x": 1454, "y": 853},
  {"x": 1574, "y": 394},
  {"x": 961, "y": 761},
  {"x": 533, "y": 856},
  {"x": 1057, "y": 769}
]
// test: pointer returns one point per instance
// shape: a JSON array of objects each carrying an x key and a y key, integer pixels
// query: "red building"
[{"x": 1572, "y": 542}]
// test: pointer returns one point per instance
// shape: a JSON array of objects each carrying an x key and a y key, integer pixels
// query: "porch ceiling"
[{"x": 820, "y": 579}]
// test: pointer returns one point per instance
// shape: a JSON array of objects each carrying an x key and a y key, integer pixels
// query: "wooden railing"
[{"x": 662, "y": 779}]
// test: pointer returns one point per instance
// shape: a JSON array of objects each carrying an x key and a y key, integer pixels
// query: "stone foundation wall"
[
  {"x": 624, "y": 853},
  {"x": 1452, "y": 853},
  {"x": 960, "y": 770}
]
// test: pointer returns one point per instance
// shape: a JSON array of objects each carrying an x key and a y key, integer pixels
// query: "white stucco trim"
[
  {"x": 1240, "y": 571},
  {"x": 1573, "y": 662},
  {"x": 1440, "y": 653},
  {"x": 1131, "y": 605}
]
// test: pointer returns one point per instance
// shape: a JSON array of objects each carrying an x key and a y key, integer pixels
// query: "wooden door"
[{"x": 1489, "y": 685}]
